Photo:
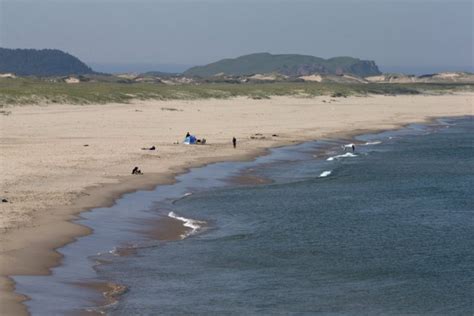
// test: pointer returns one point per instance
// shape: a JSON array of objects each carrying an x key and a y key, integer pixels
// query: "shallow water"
[{"x": 387, "y": 230}]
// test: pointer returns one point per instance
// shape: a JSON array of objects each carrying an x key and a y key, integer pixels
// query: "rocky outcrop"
[{"x": 291, "y": 65}]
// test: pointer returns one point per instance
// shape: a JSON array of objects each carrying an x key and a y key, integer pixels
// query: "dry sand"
[{"x": 48, "y": 174}]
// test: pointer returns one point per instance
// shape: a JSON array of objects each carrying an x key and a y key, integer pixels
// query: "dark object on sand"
[
  {"x": 136, "y": 170},
  {"x": 86, "y": 145},
  {"x": 257, "y": 136},
  {"x": 4, "y": 200},
  {"x": 234, "y": 142},
  {"x": 275, "y": 135},
  {"x": 149, "y": 148}
]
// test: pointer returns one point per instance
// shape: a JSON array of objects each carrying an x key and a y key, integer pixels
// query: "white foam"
[
  {"x": 373, "y": 143},
  {"x": 195, "y": 225},
  {"x": 114, "y": 251},
  {"x": 187, "y": 194},
  {"x": 346, "y": 155},
  {"x": 325, "y": 173}
]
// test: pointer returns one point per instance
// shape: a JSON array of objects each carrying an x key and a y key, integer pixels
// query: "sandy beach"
[{"x": 58, "y": 160}]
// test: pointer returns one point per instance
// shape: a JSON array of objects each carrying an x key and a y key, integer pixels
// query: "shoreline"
[
  {"x": 169, "y": 229},
  {"x": 184, "y": 276},
  {"x": 55, "y": 229}
]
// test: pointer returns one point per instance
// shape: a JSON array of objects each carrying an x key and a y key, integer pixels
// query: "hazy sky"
[{"x": 407, "y": 33}]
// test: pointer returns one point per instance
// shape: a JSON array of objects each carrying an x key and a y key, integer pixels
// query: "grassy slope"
[{"x": 33, "y": 91}]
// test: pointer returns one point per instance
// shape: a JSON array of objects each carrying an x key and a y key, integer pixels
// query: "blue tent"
[{"x": 190, "y": 140}]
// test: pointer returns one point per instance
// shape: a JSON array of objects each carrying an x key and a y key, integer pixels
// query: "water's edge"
[{"x": 129, "y": 223}]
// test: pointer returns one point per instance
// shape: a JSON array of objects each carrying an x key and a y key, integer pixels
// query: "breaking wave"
[
  {"x": 325, "y": 173},
  {"x": 373, "y": 143},
  {"x": 194, "y": 224},
  {"x": 346, "y": 155}
]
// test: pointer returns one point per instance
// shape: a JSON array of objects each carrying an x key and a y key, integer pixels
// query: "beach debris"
[
  {"x": 86, "y": 145},
  {"x": 138, "y": 110},
  {"x": 136, "y": 170},
  {"x": 4, "y": 200},
  {"x": 6, "y": 113},
  {"x": 171, "y": 109},
  {"x": 257, "y": 136},
  {"x": 149, "y": 148},
  {"x": 275, "y": 135}
]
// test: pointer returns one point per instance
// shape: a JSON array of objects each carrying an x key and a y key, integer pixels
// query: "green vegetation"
[
  {"x": 286, "y": 64},
  {"x": 44, "y": 62},
  {"x": 40, "y": 91}
]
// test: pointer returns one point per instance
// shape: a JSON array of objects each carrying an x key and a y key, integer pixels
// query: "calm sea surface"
[{"x": 388, "y": 230}]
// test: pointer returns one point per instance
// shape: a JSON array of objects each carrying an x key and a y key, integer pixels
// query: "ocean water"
[{"x": 387, "y": 230}]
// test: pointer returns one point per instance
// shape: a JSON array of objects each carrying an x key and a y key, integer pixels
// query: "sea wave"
[
  {"x": 194, "y": 224},
  {"x": 373, "y": 143},
  {"x": 185, "y": 195},
  {"x": 346, "y": 155},
  {"x": 325, "y": 173}
]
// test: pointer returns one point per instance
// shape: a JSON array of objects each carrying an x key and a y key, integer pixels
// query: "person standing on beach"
[{"x": 234, "y": 142}]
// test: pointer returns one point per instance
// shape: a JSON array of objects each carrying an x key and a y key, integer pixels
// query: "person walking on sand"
[{"x": 234, "y": 142}]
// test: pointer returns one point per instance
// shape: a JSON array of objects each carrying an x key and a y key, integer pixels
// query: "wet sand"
[
  {"x": 247, "y": 178},
  {"x": 164, "y": 229},
  {"x": 167, "y": 229},
  {"x": 110, "y": 294},
  {"x": 49, "y": 175}
]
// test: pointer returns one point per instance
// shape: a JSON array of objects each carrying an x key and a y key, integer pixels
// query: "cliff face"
[
  {"x": 44, "y": 62},
  {"x": 287, "y": 64},
  {"x": 364, "y": 68}
]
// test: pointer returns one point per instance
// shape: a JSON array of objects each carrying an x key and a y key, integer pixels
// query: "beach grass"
[{"x": 20, "y": 91}]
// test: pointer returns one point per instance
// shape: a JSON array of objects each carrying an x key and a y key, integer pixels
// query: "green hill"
[
  {"x": 286, "y": 64},
  {"x": 44, "y": 62}
]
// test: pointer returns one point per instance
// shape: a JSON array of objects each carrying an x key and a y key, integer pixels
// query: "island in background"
[{"x": 29, "y": 76}]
